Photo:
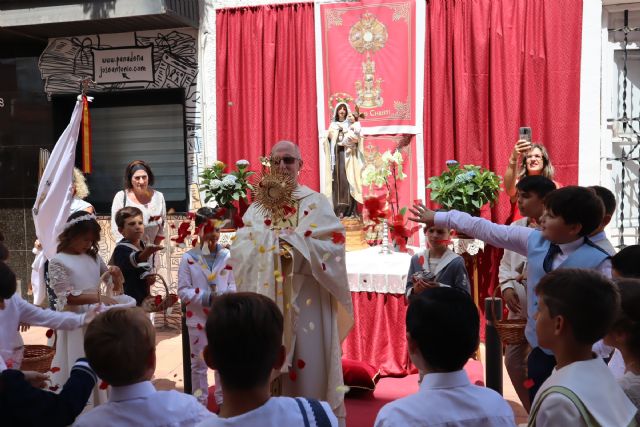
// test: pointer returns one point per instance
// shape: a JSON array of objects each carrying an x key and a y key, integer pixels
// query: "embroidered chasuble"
[{"x": 298, "y": 264}]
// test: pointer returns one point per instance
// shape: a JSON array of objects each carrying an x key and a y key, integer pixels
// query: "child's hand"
[
  {"x": 510, "y": 297},
  {"x": 149, "y": 250},
  {"x": 36, "y": 379},
  {"x": 108, "y": 301}
]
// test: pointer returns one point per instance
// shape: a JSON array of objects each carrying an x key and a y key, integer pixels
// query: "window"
[{"x": 125, "y": 126}]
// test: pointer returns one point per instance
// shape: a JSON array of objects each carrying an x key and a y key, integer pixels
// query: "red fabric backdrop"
[
  {"x": 492, "y": 66},
  {"x": 266, "y": 83}
]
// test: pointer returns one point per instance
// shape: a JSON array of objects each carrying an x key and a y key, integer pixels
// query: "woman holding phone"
[{"x": 526, "y": 159}]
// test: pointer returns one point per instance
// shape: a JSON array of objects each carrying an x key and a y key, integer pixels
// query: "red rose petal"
[
  {"x": 421, "y": 260},
  {"x": 301, "y": 364},
  {"x": 190, "y": 261},
  {"x": 104, "y": 385},
  {"x": 172, "y": 225},
  {"x": 189, "y": 313},
  {"x": 228, "y": 267},
  {"x": 205, "y": 311},
  {"x": 196, "y": 341},
  {"x": 194, "y": 242},
  {"x": 306, "y": 213},
  {"x": 54, "y": 369},
  {"x": 293, "y": 376},
  {"x": 54, "y": 388},
  {"x": 193, "y": 356},
  {"x": 197, "y": 290},
  {"x": 267, "y": 222},
  {"x": 160, "y": 238},
  {"x": 307, "y": 233},
  {"x": 199, "y": 326},
  {"x": 338, "y": 238},
  {"x": 528, "y": 383},
  {"x": 49, "y": 333},
  {"x": 324, "y": 267}
]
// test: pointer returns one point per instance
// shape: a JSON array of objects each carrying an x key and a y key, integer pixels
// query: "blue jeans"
[{"x": 539, "y": 367}]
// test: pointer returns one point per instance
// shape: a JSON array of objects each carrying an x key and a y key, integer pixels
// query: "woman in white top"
[{"x": 138, "y": 179}]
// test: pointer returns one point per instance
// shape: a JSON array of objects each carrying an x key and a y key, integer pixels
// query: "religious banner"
[{"x": 369, "y": 56}]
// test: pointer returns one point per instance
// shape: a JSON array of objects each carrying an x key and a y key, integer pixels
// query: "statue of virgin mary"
[{"x": 344, "y": 161}]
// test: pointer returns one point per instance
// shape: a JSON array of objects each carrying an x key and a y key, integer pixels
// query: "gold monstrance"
[{"x": 368, "y": 36}]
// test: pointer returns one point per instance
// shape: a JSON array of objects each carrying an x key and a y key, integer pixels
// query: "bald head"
[
  {"x": 286, "y": 146},
  {"x": 285, "y": 155}
]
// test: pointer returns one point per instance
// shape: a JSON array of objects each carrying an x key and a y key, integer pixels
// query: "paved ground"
[{"x": 169, "y": 366}]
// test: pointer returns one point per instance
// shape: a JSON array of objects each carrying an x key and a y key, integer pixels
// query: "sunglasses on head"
[{"x": 287, "y": 160}]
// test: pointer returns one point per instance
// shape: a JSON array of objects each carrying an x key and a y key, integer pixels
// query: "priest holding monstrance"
[{"x": 291, "y": 249}]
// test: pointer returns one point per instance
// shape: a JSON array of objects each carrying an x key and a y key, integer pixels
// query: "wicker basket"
[
  {"x": 156, "y": 303},
  {"x": 510, "y": 331},
  {"x": 37, "y": 358}
]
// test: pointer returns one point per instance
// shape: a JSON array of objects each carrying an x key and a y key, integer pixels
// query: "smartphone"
[{"x": 525, "y": 134}]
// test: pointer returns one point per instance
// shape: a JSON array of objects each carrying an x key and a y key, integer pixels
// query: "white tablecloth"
[{"x": 370, "y": 271}]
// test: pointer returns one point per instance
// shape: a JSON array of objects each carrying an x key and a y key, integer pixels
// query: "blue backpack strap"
[
  {"x": 303, "y": 411},
  {"x": 322, "y": 420}
]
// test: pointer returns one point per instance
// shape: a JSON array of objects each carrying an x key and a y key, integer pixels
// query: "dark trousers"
[{"x": 539, "y": 367}]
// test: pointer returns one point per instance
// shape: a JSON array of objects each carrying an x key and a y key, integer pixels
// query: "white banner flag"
[{"x": 53, "y": 201}]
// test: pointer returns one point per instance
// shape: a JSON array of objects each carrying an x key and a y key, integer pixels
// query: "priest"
[{"x": 298, "y": 260}]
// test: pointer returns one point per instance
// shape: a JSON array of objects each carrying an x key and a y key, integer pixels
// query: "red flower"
[
  {"x": 194, "y": 242},
  {"x": 305, "y": 213},
  {"x": 293, "y": 376},
  {"x": 288, "y": 210},
  {"x": 400, "y": 233},
  {"x": 528, "y": 383},
  {"x": 228, "y": 267},
  {"x": 199, "y": 326},
  {"x": 54, "y": 369},
  {"x": 189, "y": 313},
  {"x": 307, "y": 233},
  {"x": 221, "y": 213},
  {"x": 104, "y": 385},
  {"x": 49, "y": 333},
  {"x": 374, "y": 206},
  {"x": 338, "y": 238},
  {"x": 197, "y": 290},
  {"x": 267, "y": 222},
  {"x": 301, "y": 364}
]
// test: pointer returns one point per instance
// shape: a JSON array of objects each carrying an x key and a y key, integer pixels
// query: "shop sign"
[{"x": 123, "y": 65}]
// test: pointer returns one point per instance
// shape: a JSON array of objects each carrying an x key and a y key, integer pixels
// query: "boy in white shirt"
[
  {"x": 244, "y": 334},
  {"x": 120, "y": 345},
  {"x": 442, "y": 333},
  {"x": 576, "y": 308}
]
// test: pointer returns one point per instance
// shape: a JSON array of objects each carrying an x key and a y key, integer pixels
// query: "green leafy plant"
[
  {"x": 225, "y": 188},
  {"x": 465, "y": 188}
]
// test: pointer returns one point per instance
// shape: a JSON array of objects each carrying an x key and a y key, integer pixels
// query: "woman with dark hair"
[
  {"x": 138, "y": 180},
  {"x": 526, "y": 159}
]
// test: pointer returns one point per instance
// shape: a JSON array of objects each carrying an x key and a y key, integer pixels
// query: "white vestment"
[{"x": 311, "y": 289}]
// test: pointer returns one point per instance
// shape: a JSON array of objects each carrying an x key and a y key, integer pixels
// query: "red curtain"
[
  {"x": 492, "y": 66},
  {"x": 266, "y": 83}
]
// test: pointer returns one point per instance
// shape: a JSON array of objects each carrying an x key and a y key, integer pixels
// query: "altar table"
[{"x": 377, "y": 283}]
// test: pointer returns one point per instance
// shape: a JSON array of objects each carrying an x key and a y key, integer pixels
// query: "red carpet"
[{"x": 362, "y": 408}]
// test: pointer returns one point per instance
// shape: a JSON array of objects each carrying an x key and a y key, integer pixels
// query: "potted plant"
[
  {"x": 465, "y": 188},
  {"x": 227, "y": 188}
]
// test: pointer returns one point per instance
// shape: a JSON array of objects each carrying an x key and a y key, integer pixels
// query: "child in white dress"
[
  {"x": 202, "y": 275},
  {"x": 75, "y": 276},
  {"x": 625, "y": 336}
]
